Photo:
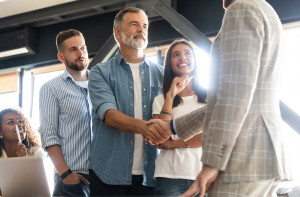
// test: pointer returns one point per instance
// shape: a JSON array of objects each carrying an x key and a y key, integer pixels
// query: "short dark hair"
[
  {"x": 169, "y": 75},
  {"x": 120, "y": 16},
  {"x": 64, "y": 35}
]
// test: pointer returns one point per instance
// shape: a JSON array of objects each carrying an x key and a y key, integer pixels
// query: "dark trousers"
[
  {"x": 98, "y": 188},
  {"x": 61, "y": 189}
]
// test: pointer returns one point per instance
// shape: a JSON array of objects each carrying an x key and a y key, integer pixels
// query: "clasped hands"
[{"x": 157, "y": 131}]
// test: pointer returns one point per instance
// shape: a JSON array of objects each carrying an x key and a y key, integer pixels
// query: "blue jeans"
[
  {"x": 61, "y": 189},
  {"x": 172, "y": 187}
]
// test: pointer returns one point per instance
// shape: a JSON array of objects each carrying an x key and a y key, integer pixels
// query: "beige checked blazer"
[{"x": 242, "y": 128}]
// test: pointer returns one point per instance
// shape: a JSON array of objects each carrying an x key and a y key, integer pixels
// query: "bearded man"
[
  {"x": 65, "y": 117},
  {"x": 122, "y": 91}
]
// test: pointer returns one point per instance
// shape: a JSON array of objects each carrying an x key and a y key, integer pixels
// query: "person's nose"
[
  {"x": 20, "y": 124},
  {"x": 140, "y": 29},
  {"x": 80, "y": 53},
  {"x": 183, "y": 57}
]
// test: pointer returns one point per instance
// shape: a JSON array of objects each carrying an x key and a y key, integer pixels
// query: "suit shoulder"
[{"x": 251, "y": 6}]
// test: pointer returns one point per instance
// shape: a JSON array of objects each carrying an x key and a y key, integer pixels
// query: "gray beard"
[{"x": 137, "y": 44}]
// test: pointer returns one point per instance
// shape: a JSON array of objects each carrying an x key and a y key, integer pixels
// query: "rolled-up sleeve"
[
  {"x": 48, "y": 107},
  {"x": 101, "y": 94}
]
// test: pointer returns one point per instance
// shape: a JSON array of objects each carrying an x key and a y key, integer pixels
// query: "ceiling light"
[
  {"x": 17, "y": 43},
  {"x": 13, "y": 52}
]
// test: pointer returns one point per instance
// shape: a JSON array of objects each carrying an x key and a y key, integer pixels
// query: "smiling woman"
[{"x": 9, "y": 145}]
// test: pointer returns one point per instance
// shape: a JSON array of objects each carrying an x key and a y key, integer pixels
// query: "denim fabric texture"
[
  {"x": 111, "y": 87},
  {"x": 172, "y": 187}
]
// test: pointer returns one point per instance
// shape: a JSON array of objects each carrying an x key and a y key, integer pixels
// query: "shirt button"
[
  {"x": 145, "y": 106},
  {"x": 142, "y": 73},
  {"x": 130, "y": 86},
  {"x": 130, "y": 104},
  {"x": 144, "y": 89},
  {"x": 131, "y": 142},
  {"x": 130, "y": 161}
]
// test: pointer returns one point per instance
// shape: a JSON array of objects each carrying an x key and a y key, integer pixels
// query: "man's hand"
[
  {"x": 164, "y": 124},
  {"x": 203, "y": 181},
  {"x": 154, "y": 134},
  {"x": 161, "y": 132},
  {"x": 75, "y": 178}
]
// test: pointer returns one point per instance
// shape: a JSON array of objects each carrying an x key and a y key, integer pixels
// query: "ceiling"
[
  {"x": 94, "y": 19},
  {"x": 14, "y": 7},
  {"x": 16, "y": 14}
]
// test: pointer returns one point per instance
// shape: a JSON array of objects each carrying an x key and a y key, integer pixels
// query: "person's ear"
[
  {"x": 117, "y": 32},
  {"x": 61, "y": 57}
]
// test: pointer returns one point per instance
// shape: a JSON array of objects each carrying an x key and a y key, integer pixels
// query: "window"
[
  {"x": 39, "y": 80},
  {"x": 9, "y": 89},
  {"x": 290, "y": 95},
  {"x": 290, "y": 71}
]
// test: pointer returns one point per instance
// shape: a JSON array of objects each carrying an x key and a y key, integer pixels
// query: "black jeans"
[{"x": 98, "y": 188}]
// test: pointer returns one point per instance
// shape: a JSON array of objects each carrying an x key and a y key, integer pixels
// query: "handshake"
[{"x": 156, "y": 131}]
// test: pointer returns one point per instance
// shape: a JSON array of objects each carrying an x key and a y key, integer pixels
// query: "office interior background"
[{"x": 28, "y": 55}]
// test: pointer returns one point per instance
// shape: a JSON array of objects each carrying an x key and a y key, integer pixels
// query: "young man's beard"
[{"x": 74, "y": 66}]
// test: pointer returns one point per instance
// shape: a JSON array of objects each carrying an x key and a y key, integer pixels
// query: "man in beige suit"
[{"x": 242, "y": 143}]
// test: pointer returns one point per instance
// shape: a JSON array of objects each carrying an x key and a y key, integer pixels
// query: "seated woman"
[
  {"x": 179, "y": 162},
  {"x": 9, "y": 143}
]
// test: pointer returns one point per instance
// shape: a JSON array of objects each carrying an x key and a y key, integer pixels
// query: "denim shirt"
[{"x": 111, "y": 87}]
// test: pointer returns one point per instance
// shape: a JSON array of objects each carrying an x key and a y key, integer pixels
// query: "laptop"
[{"x": 23, "y": 176}]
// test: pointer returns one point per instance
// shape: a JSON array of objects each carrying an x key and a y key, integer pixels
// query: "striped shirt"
[{"x": 65, "y": 119}]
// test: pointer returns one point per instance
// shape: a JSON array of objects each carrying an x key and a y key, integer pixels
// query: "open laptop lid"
[{"x": 23, "y": 176}]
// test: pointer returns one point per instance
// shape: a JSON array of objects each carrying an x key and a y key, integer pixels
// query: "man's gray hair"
[{"x": 120, "y": 16}]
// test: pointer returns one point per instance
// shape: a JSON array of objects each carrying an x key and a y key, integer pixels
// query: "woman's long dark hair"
[
  {"x": 169, "y": 75},
  {"x": 31, "y": 140}
]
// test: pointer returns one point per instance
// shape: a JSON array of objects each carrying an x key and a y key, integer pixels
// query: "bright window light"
[
  {"x": 153, "y": 58},
  {"x": 290, "y": 70},
  {"x": 9, "y": 100},
  {"x": 288, "y": 87},
  {"x": 203, "y": 61}
]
